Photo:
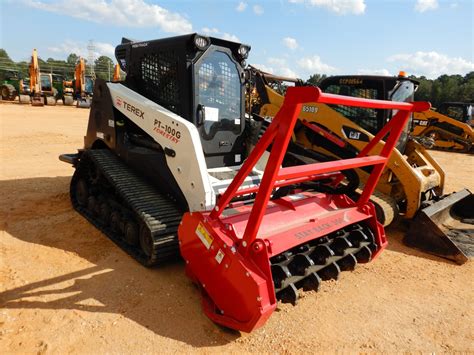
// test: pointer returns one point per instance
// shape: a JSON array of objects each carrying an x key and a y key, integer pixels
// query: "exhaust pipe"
[{"x": 445, "y": 228}]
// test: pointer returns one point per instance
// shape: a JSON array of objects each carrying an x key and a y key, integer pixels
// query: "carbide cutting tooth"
[
  {"x": 330, "y": 272},
  {"x": 311, "y": 282},
  {"x": 348, "y": 262},
  {"x": 364, "y": 255},
  {"x": 339, "y": 245},
  {"x": 280, "y": 273},
  {"x": 299, "y": 264},
  {"x": 356, "y": 237},
  {"x": 288, "y": 294},
  {"x": 320, "y": 254}
]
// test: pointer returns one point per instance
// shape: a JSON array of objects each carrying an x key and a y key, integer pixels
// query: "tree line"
[
  {"x": 445, "y": 88},
  {"x": 442, "y": 89},
  {"x": 103, "y": 65}
]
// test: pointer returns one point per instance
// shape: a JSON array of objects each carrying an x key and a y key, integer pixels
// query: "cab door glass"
[{"x": 219, "y": 94}]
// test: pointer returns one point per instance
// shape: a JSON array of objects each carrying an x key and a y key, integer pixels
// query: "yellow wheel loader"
[
  {"x": 448, "y": 128},
  {"x": 412, "y": 181}
]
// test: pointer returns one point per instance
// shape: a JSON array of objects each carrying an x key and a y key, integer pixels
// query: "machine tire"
[
  {"x": 82, "y": 193},
  {"x": 8, "y": 92},
  {"x": 131, "y": 233},
  {"x": 146, "y": 241},
  {"x": 68, "y": 100},
  {"x": 386, "y": 208},
  {"x": 24, "y": 99},
  {"x": 50, "y": 100}
]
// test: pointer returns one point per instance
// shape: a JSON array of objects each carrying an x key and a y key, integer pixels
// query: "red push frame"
[{"x": 279, "y": 134}]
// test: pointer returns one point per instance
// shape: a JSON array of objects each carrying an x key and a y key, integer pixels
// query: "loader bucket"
[
  {"x": 252, "y": 250},
  {"x": 446, "y": 228}
]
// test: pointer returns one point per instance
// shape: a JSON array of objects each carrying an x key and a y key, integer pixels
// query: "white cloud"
[
  {"x": 277, "y": 66},
  {"x": 263, "y": 67},
  {"x": 431, "y": 64},
  {"x": 276, "y": 61},
  {"x": 290, "y": 43},
  {"x": 340, "y": 7},
  {"x": 314, "y": 65},
  {"x": 425, "y": 5},
  {"x": 130, "y": 13},
  {"x": 80, "y": 48},
  {"x": 383, "y": 71},
  {"x": 224, "y": 35},
  {"x": 241, "y": 6},
  {"x": 454, "y": 5},
  {"x": 258, "y": 9}
]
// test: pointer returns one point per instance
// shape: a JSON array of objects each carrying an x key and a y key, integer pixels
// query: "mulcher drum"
[
  {"x": 114, "y": 195},
  {"x": 306, "y": 265}
]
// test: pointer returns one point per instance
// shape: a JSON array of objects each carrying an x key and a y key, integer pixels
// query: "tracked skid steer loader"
[
  {"x": 412, "y": 183},
  {"x": 442, "y": 132},
  {"x": 165, "y": 171}
]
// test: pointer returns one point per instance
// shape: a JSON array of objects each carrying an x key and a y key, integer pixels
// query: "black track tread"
[
  {"x": 281, "y": 264},
  {"x": 142, "y": 201}
]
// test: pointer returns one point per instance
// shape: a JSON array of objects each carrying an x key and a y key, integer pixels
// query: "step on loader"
[
  {"x": 165, "y": 171},
  {"x": 412, "y": 180}
]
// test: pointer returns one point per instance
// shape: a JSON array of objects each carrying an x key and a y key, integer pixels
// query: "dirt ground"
[{"x": 65, "y": 288}]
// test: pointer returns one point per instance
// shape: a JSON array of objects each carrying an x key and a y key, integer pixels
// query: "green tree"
[
  {"x": 104, "y": 68},
  {"x": 316, "y": 79},
  {"x": 72, "y": 59}
]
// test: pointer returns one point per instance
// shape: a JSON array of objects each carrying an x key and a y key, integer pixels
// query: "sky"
[{"x": 288, "y": 37}]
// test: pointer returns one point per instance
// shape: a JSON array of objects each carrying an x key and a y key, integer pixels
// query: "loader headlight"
[
  {"x": 201, "y": 42},
  {"x": 244, "y": 51}
]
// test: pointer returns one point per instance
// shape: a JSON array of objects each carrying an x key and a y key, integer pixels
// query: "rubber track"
[
  {"x": 151, "y": 209},
  {"x": 307, "y": 265}
]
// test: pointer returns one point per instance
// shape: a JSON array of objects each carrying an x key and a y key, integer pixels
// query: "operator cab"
[
  {"x": 460, "y": 111},
  {"x": 399, "y": 88},
  {"x": 199, "y": 78}
]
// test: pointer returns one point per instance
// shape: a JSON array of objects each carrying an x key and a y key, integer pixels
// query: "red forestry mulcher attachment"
[{"x": 245, "y": 255}]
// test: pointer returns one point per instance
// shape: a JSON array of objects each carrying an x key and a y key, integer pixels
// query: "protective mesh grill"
[
  {"x": 159, "y": 71},
  {"x": 364, "y": 117}
]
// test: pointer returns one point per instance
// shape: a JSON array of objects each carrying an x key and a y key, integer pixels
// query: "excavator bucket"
[
  {"x": 37, "y": 100},
  {"x": 245, "y": 256},
  {"x": 446, "y": 228}
]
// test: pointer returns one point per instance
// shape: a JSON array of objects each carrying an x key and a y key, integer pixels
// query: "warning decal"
[{"x": 204, "y": 235}]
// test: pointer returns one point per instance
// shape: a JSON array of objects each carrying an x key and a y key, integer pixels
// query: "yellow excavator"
[
  {"x": 83, "y": 85},
  {"x": 116, "y": 77},
  {"x": 449, "y": 128},
  {"x": 35, "y": 81},
  {"x": 42, "y": 91},
  {"x": 412, "y": 181}
]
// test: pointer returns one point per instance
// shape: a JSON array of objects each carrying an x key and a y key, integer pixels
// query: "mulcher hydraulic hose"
[
  {"x": 306, "y": 265},
  {"x": 130, "y": 211}
]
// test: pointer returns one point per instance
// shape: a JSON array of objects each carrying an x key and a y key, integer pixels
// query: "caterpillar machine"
[
  {"x": 413, "y": 182},
  {"x": 83, "y": 85},
  {"x": 165, "y": 171},
  {"x": 449, "y": 128}
]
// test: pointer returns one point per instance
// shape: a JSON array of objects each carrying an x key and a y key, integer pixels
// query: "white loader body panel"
[{"x": 171, "y": 131}]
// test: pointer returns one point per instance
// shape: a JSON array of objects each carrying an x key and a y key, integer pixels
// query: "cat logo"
[{"x": 354, "y": 135}]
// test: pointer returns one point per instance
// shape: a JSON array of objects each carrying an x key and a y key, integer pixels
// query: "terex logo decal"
[{"x": 135, "y": 110}]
